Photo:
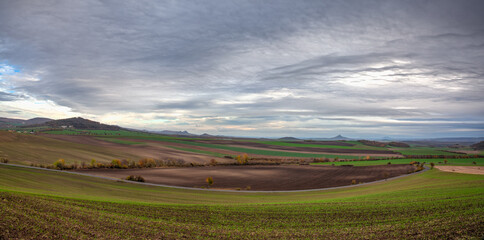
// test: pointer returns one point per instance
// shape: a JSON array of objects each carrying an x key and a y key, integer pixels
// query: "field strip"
[
  {"x": 462, "y": 169},
  {"x": 214, "y": 190}
]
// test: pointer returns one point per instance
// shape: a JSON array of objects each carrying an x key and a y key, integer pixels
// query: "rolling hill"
[
  {"x": 13, "y": 122},
  {"x": 77, "y": 123}
]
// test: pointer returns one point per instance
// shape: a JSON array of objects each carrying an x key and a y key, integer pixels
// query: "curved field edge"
[
  {"x": 433, "y": 204},
  {"x": 436, "y": 161}
]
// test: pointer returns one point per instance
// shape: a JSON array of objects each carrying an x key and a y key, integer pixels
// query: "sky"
[{"x": 363, "y": 69}]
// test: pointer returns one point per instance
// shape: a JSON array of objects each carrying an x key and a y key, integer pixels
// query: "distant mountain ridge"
[
  {"x": 178, "y": 133},
  {"x": 289, "y": 139},
  {"x": 336, "y": 138},
  {"x": 78, "y": 123},
  {"x": 13, "y": 122}
]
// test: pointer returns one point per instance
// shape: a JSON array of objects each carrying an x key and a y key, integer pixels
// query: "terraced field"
[
  {"x": 36, "y": 204},
  {"x": 259, "y": 148}
]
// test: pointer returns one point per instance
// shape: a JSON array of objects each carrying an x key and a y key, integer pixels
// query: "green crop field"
[
  {"x": 423, "y": 151},
  {"x": 106, "y": 134},
  {"x": 244, "y": 150},
  {"x": 450, "y": 162},
  {"x": 42, "y": 204},
  {"x": 289, "y": 144},
  {"x": 31, "y": 149}
]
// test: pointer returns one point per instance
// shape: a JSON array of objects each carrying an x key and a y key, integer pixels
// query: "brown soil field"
[
  {"x": 462, "y": 169},
  {"x": 295, "y": 149},
  {"x": 155, "y": 151},
  {"x": 262, "y": 178}
]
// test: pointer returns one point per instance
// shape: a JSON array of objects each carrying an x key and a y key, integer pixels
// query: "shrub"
[
  {"x": 353, "y": 182},
  {"x": 60, "y": 164},
  {"x": 4, "y": 160},
  {"x": 474, "y": 163},
  {"x": 116, "y": 163},
  {"x": 244, "y": 159},
  {"x": 248, "y": 188},
  {"x": 213, "y": 162},
  {"x": 389, "y": 163},
  {"x": 135, "y": 178},
  {"x": 209, "y": 181},
  {"x": 432, "y": 165},
  {"x": 419, "y": 167},
  {"x": 93, "y": 163}
]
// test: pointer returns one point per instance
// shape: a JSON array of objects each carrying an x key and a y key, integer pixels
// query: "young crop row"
[
  {"x": 247, "y": 150},
  {"x": 444, "y": 206}
]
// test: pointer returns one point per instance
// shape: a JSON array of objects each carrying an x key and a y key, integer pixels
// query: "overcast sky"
[{"x": 249, "y": 68}]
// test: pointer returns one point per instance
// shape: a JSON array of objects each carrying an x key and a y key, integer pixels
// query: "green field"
[
  {"x": 29, "y": 149},
  {"x": 242, "y": 149},
  {"x": 423, "y": 151},
  {"x": 106, "y": 134},
  {"x": 450, "y": 162},
  {"x": 434, "y": 204},
  {"x": 290, "y": 144}
]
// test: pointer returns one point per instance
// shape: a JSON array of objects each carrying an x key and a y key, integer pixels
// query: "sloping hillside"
[
  {"x": 78, "y": 123},
  {"x": 13, "y": 122}
]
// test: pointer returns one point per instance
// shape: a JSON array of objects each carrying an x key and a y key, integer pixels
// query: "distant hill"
[
  {"x": 336, "y": 138},
  {"x": 339, "y": 137},
  {"x": 289, "y": 139},
  {"x": 77, "y": 123},
  {"x": 372, "y": 143},
  {"x": 478, "y": 146},
  {"x": 398, "y": 144},
  {"x": 12, "y": 122},
  {"x": 177, "y": 133}
]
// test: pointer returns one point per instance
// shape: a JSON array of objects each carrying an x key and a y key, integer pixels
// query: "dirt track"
[
  {"x": 285, "y": 177},
  {"x": 462, "y": 169}
]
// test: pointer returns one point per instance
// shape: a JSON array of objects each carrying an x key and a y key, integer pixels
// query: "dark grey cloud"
[
  {"x": 328, "y": 66},
  {"x": 9, "y": 97}
]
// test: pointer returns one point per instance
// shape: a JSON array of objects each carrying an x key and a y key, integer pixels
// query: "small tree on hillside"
[
  {"x": 245, "y": 158},
  {"x": 60, "y": 164},
  {"x": 116, "y": 163},
  {"x": 209, "y": 181},
  {"x": 93, "y": 163}
]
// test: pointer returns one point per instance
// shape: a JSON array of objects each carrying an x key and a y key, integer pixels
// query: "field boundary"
[{"x": 213, "y": 190}]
